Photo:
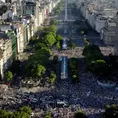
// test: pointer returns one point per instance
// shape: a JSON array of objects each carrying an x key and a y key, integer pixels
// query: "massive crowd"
[
  {"x": 77, "y": 52},
  {"x": 86, "y": 94}
]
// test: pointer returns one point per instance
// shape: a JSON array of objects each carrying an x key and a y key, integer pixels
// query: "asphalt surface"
[{"x": 77, "y": 38}]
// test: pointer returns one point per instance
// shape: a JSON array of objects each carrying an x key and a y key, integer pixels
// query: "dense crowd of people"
[
  {"x": 77, "y": 52},
  {"x": 86, "y": 94}
]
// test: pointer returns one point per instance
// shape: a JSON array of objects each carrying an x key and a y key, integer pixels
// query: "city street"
[
  {"x": 86, "y": 94},
  {"x": 77, "y": 38}
]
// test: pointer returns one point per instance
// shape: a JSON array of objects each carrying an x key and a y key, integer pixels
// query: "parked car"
[
  {"x": 62, "y": 103},
  {"x": 26, "y": 94},
  {"x": 24, "y": 99}
]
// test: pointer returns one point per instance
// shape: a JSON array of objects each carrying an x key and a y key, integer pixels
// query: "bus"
[{"x": 64, "y": 68}]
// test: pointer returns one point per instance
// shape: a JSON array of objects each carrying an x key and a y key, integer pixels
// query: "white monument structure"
[{"x": 66, "y": 18}]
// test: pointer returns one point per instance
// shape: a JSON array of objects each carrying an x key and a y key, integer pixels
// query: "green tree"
[
  {"x": 59, "y": 38},
  {"x": 86, "y": 42},
  {"x": 33, "y": 40},
  {"x": 57, "y": 10},
  {"x": 41, "y": 57},
  {"x": 74, "y": 77},
  {"x": 52, "y": 77},
  {"x": 39, "y": 46},
  {"x": 93, "y": 57},
  {"x": 53, "y": 22},
  {"x": 47, "y": 115},
  {"x": 20, "y": 114},
  {"x": 55, "y": 59},
  {"x": 100, "y": 67},
  {"x": 51, "y": 28},
  {"x": 73, "y": 63},
  {"x": 25, "y": 109},
  {"x": 48, "y": 50},
  {"x": 4, "y": 114},
  {"x": 43, "y": 51},
  {"x": 73, "y": 45},
  {"x": 90, "y": 49},
  {"x": 111, "y": 111},
  {"x": 40, "y": 70},
  {"x": 15, "y": 67},
  {"x": 58, "y": 45},
  {"x": 80, "y": 114},
  {"x": 8, "y": 76},
  {"x": 36, "y": 70},
  {"x": 49, "y": 40},
  {"x": 23, "y": 112}
]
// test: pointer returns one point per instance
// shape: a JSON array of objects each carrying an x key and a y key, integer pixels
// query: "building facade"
[
  {"x": 17, "y": 29},
  {"x": 100, "y": 23},
  {"x": 108, "y": 32},
  {"x": 6, "y": 47},
  {"x": 116, "y": 37}
]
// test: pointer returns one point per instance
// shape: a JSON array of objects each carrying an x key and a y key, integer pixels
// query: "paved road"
[{"x": 92, "y": 36}]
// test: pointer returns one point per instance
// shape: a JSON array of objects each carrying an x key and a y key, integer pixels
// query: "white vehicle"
[
  {"x": 33, "y": 100},
  {"x": 24, "y": 99},
  {"x": 26, "y": 94},
  {"x": 64, "y": 96},
  {"x": 62, "y": 103},
  {"x": 31, "y": 96},
  {"x": 10, "y": 98}
]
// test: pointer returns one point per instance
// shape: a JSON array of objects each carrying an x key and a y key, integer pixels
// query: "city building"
[
  {"x": 116, "y": 37},
  {"x": 18, "y": 23},
  {"x": 100, "y": 22},
  {"x": 108, "y": 32},
  {"x": 1, "y": 64},
  {"x": 96, "y": 14},
  {"x": 39, "y": 10},
  {"x": 6, "y": 49}
]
